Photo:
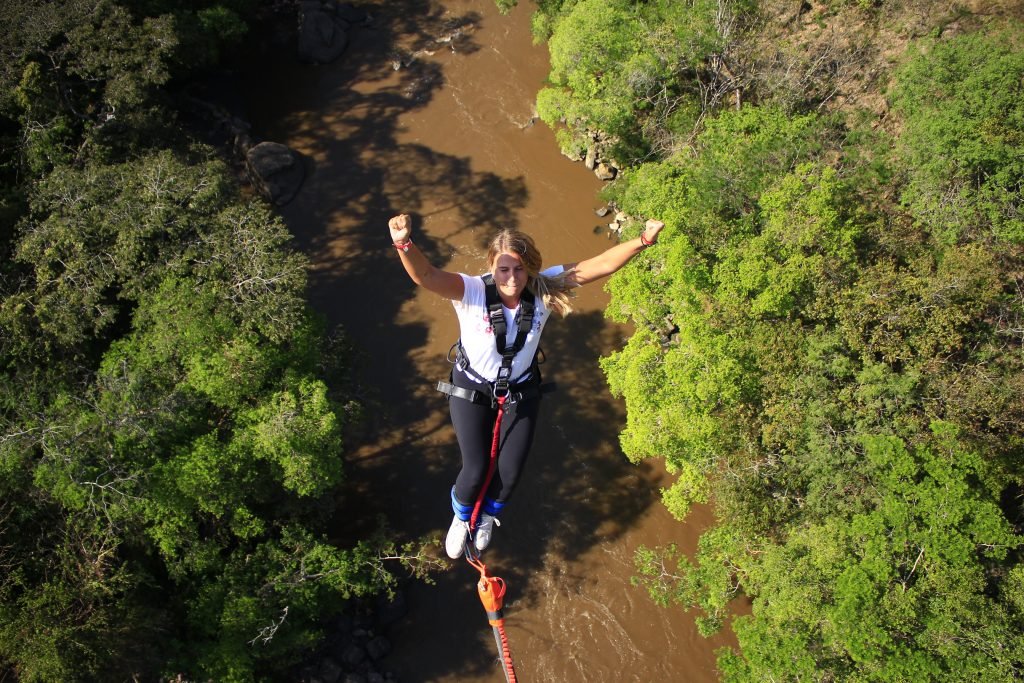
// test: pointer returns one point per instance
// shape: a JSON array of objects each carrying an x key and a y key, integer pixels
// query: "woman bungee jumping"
[{"x": 501, "y": 317}]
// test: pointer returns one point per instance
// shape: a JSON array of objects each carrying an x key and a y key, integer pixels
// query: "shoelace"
[{"x": 494, "y": 520}]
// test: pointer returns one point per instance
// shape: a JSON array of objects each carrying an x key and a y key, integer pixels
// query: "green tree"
[
  {"x": 902, "y": 591},
  {"x": 179, "y": 416},
  {"x": 963, "y": 145},
  {"x": 629, "y": 71},
  {"x": 170, "y": 423},
  {"x": 686, "y": 373},
  {"x": 799, "y": 334}
]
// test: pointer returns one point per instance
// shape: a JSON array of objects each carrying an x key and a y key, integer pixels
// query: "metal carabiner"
[{"x": 500, "y": 390}]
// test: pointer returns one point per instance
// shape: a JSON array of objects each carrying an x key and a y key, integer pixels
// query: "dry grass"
[{"x": 840, "y": 54}]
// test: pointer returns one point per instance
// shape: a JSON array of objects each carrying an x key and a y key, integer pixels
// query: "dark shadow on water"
[{"x": 578, "y": 490}]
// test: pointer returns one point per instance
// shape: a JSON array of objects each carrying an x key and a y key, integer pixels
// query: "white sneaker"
[
  {"x": 484, "y": 530},
  {"x": 455, "y": 541}
]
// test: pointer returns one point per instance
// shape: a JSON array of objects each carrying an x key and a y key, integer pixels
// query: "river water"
[{"x": 430, "y": 112}]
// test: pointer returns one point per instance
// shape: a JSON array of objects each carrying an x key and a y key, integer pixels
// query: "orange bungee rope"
[{"x": 491, "y": 589}]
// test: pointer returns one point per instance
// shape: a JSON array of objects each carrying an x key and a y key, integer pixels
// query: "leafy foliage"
[
  {"x": 827, "y": 348},
  {"x": 899, "y": 592},
  {"x": 624, "y": 68},
  {"x": 170, "y": 447},
  {"x": 200, "y": 428},
  {"x": 962, "y": 146}
]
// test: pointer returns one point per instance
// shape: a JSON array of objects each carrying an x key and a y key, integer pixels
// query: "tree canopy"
[
  {"x": 171, "y": 412},
  {"x": 828, "y": 346}
]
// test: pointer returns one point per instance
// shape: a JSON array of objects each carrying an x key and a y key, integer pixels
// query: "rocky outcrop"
[
  {"x": 592, "y": 154},
  {"x": 324, "y": 29},
  {"x": 605, "y": 171},
  {"x": 355, "y": 645},
  {"x": 275, "y": 171},
  {"x": 619, "y": 221}
]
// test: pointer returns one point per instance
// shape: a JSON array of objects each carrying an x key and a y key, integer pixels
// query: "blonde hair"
[{"x": 556, "y": 292}]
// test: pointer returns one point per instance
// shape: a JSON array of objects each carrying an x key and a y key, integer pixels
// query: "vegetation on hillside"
[
  {"x": 829, "y": 333},
  {"x": 171, "y": 413}
]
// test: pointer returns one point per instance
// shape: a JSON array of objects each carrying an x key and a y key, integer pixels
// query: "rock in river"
[
  {"x": 276, "y": 171},
  {"x": 323, "y": 32}
]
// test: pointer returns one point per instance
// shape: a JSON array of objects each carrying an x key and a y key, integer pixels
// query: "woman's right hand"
[{"x": 401, "y": 228}]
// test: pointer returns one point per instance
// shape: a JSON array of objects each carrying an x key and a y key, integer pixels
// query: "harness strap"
[
  {"x": 457, "y": 357},
  {"x": 528, "y": 391},
  {"x": 496, "y": 313}
]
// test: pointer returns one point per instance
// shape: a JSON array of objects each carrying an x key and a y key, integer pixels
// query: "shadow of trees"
[{"x": 578, "y": 490}]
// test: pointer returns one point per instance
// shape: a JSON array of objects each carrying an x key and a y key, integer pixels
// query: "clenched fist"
[{"x": 401, "y": 228}]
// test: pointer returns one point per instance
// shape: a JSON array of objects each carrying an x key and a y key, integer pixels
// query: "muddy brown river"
[{"x": 430, "y": 112}]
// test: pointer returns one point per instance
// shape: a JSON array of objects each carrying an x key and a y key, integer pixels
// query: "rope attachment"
[{"x": 491, "y": 590}]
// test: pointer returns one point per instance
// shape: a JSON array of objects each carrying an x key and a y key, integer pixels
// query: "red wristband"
[
  {"x": 643, "y": 241},
  {"x": 403, "y": 246}
]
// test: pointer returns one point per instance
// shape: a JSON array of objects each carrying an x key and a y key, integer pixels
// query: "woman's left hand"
[{"x": 651, "y": 230}]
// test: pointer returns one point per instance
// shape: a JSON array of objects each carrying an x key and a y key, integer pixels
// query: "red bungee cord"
[{"x": 491, "y": 589}]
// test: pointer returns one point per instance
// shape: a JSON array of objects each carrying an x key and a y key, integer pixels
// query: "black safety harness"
[{"x": 504, "y": 386}]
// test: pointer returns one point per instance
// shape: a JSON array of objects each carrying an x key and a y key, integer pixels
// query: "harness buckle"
[
  {"x": 501, "y": 389},
  {"x": 457, "y": 356}
]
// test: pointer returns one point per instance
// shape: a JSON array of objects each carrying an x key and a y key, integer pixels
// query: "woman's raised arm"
[
  {"x": 422, "y": 272},
  {"x": 610, "y": 260}
]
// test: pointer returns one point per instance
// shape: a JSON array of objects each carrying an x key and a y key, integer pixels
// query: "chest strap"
[{"x": 496, "y": 314}]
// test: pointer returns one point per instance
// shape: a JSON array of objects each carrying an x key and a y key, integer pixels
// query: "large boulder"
[
  {"x": 323, "y": 31},
  {"x": 353, "y": 655},
  {"x": 276, "y": 171},
  {"x": 330, "y": 671},
  {"x": 605, "y": 171},
  {"x": 378, "y": 647}
]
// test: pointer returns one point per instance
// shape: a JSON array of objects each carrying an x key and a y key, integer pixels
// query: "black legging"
[{"x": 474, "y": 428}]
